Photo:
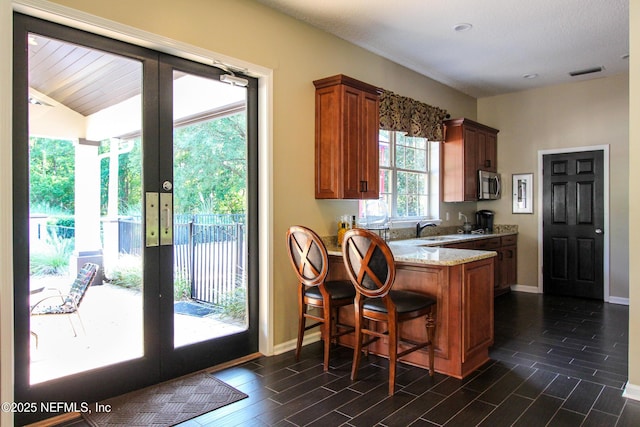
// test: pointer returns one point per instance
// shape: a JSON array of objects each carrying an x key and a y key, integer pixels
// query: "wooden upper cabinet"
[
  {"x": 468, "y": 147},
  {"x": 488, "y": 151},
  {"x": 346, "y": 147}
]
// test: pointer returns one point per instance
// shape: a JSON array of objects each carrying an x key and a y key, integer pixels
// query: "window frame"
[{"x": 432, "y": 178}]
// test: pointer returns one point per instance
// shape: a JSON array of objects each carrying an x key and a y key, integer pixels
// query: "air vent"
[{"x": 586, "y": 71}]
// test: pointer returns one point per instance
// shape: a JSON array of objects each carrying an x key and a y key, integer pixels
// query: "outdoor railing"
[{"x": 209, "y": 252}]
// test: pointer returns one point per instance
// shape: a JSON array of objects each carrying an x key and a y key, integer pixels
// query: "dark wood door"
[{"x": 573, "y": 224}]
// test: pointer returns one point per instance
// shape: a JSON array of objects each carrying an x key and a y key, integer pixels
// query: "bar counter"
[{"x": 461, "y": 282}]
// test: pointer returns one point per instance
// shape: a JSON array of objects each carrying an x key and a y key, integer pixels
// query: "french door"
[{"x": 146, "y": 165}]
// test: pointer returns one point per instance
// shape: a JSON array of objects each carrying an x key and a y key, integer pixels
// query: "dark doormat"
[
  {"x": 165, "y": 404},
  {"x": 192, "y": 309}
]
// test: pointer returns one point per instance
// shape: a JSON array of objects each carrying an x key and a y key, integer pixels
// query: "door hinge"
[{"x": 152, "y": 221}]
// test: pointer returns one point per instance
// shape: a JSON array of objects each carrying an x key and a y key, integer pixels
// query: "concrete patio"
[{"x": 112, "y": 319}]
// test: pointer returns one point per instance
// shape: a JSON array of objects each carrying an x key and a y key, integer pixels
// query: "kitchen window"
[{"x": 409, "y": 184}]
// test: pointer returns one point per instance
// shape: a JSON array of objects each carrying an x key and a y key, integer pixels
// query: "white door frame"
[{"x": 605, "y": 253}]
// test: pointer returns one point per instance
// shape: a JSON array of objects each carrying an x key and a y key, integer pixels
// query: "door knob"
[{"x": 599, "y": 231}]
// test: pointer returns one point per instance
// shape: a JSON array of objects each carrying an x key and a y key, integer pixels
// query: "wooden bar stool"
[
  {"x": 310, "y": 261},
  {"x": 371, "y": 268}
]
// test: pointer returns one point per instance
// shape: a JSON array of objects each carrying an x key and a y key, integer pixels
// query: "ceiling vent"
[{"x": 586, "y": 71}]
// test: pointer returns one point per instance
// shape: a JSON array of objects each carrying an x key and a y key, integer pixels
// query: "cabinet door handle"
[
  {"x": 363, "y": 186},
  {"x": 487, "y": 163}
]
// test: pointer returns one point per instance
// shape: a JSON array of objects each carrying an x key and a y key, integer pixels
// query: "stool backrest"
[
  {"x": 369, "y": 262},
  {"x": 308, "y": 255}
]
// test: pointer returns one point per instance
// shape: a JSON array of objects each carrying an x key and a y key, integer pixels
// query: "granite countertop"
[
  {"x": 424, "y": 251},
  {"x": 445, "y": 239}
]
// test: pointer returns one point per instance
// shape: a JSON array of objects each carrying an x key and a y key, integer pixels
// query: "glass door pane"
[
  {"x": 210, "y": 209},
  {"x": 85, "y": 198}
]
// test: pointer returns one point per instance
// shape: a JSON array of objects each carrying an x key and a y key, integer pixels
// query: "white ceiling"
[{"x": 509, "y": 38}]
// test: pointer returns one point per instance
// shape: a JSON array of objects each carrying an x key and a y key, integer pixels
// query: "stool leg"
[
  {"x": 357, "y": 349},
  {"x": 393, "y": 354},
  {"x": 431, "y": 327},
  {"x": 326, "y": 332},
  {"x": 302, "y": 309}
]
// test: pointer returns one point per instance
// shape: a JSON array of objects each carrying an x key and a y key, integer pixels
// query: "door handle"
[
  {"x": 166, "y": 219},
  {"x": 599, "y": 231}
]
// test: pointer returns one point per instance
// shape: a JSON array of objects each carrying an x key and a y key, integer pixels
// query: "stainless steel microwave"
[{"x": 489, "y": 185}]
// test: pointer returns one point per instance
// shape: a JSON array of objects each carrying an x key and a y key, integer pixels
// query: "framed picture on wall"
[{"x": 522, "y": 193}]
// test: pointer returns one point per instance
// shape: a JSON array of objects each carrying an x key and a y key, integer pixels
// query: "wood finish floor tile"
[{"x": 555, "y": 362}]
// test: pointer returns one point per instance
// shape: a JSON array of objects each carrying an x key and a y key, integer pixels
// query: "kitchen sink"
[{"x": 440, "y": 238}]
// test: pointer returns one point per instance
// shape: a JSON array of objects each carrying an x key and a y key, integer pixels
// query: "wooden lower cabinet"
[
  {"x": 464, "y": 313},
  {"x": 506, "y": 264}
]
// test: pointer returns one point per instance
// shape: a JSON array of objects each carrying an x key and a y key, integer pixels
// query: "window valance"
[{"x": 399, "y": 113}]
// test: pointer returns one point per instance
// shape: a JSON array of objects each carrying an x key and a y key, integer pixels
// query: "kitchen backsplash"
[{"x": 410, "y": 233}]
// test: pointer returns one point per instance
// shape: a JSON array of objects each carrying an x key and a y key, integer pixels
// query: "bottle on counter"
[
  {"x": 341, "y": 231},
  {"x": 340, "y": 222},
  {"x": 353, "y": 221}
]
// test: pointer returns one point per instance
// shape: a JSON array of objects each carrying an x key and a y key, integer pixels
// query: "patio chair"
[{"x": 69, "y": 303}]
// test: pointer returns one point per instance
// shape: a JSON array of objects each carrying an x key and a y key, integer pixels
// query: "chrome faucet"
[{"x": 419, "y": 227}]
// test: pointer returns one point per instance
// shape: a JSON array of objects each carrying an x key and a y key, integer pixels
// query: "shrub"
[
  {"x": 51, "y": 258},
  {"x": 181, "y": 286},
  {"x": 127, "y": 273},
  {"x": 234, "y": 305}
]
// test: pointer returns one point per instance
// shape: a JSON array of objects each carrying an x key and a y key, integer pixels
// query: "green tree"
[
  {"x": 129, "y": 179},
  {"x": 210, "y": 166},
  {"x": 52, "y": 173}
]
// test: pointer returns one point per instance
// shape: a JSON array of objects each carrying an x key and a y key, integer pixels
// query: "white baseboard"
[
  {"x": 534, "y": 290},
  {"x": 524, "y": 288},
  {"x": 291, "y": 344},
  {"x": 619, "y": 300},
  {"x": 631, "y": 391}
]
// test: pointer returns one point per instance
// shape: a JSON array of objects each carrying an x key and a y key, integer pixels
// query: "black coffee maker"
[{"x": 484, "y": 220}]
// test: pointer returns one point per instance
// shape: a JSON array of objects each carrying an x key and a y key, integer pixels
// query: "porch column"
[
  {"x": 87, "y": 207},
  {"x": 110, "y": 223}
]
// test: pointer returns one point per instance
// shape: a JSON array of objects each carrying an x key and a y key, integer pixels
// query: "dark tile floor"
[{"x": 556, "y": 362}]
